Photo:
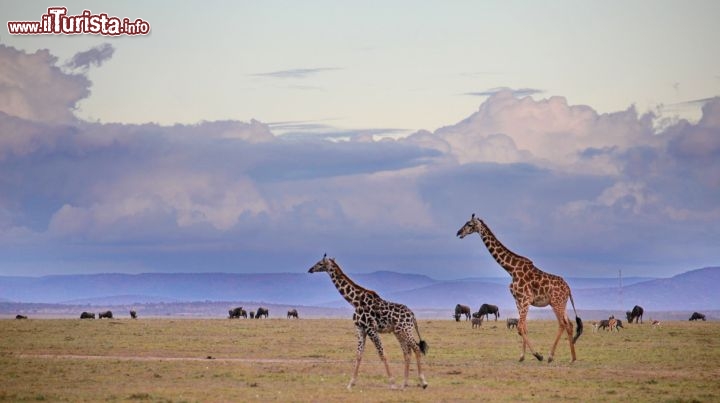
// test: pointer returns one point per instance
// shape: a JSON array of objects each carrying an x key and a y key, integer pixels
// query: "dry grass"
[{"x": 311, "y": 360}]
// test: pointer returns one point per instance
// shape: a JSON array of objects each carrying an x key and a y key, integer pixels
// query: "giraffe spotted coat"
[
  {"x": 529, "y": 286},
  {"x": 374, "y": 315}
]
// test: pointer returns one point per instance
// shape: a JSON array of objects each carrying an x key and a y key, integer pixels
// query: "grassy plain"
[{"x": 220, "y": 360}]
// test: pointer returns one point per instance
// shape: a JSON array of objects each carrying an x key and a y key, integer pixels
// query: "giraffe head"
[
  {"x": 471, "y": 226},
  {"x": 324, "y": 264}
]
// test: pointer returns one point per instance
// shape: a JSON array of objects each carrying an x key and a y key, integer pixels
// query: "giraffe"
[
  {"x": 373, "y": 315},
  {"x": 529, "y": 286}
]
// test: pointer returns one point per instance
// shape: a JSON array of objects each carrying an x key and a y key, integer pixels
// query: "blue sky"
[{"x": 255, "y": 136}]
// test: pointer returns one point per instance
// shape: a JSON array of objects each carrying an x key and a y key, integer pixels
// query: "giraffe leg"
[
  {"x": 375, "y": 337},
  {"x": 564, "y": 324},
  {"x": 569, "y": 330},
  {"x": 417, "y": 351},
  {"x": 404, "y": 345},
  {"x": 358, "y": 356},
  {"x": 522, "y": 330}
]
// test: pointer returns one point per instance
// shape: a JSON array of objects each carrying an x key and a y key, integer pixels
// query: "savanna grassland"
[{"x": 221, "y": 360}]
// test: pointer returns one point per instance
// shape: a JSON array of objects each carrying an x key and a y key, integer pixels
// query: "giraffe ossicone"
[
  {"x": 529, "y": 286},
  {"x": 373, "y": 315}
]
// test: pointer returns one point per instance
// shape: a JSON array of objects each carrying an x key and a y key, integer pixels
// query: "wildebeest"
[
  {"x": 252, "y": 314},
  {"x": 511, "y": 322},
  {"x": 487, "y": 309},
  {"x": 106, "y": 314},
  {"x": 697, "y": 316},
  {"x": 476, "y": 322},
  {"x": 237, "y": 313},
  {"x": 87, "y": 315},
  {"x": 462, "y": 310},
  {"x": 20, "y": 317},
  {"x": 636, "y": 314},
  {"x": 262, "y": 312},
  {"x": 133, "y": 314},
  {"x": 293, "y": 313}
]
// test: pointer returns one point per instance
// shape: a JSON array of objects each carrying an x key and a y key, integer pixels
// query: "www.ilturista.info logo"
[{"x": 57, "y": 22}]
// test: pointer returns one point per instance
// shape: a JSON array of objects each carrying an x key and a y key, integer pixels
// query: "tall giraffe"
[
  {"x": 374, "y": 315},
  {"x": 529, "y": 286}
]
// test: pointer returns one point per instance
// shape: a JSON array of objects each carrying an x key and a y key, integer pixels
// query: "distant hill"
[{"x": 693, "y": 290}]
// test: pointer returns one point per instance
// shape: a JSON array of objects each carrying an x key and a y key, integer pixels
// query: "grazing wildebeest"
[
  {"x": 697, "y": 316},
  {"x": 237, "y": 313},
  {"x": 512, "y": 322},
  {"x": 20, "y": 317},
  {"x": 106, "y": 314},
  {"x": 133, "y": 314},
  {"x": 462, "y": 310},
  {"x": 636, "y": 314},
  {"x": 293, "y": 313},
  {"x": 487, "y": 309},
  {"x": 476, "y": 322},
  {"x": 262, "y": 312},
  {"x": 87, "y": 315}
]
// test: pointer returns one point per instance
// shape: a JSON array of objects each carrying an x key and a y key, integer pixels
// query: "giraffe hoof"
[
  {"x": 424, "y": 385},
  {"x": 538, "y": 356},
  {"x": 550, "y": 359},
  {"x": 522, "y": 358}
]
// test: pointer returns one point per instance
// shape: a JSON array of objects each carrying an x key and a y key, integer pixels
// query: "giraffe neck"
[
  {"x": 352, "y": 292},
  {"x": 507, "y": 259}
]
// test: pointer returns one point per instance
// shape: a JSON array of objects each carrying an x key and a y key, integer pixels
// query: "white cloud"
[
  {"x": 32, "y": 86},
  {"x": 547, "y": 132}
]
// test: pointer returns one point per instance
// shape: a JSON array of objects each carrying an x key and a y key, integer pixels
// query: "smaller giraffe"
[{"x": 373, "y": 315}]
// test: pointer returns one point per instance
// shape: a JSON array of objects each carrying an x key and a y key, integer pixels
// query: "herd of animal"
[
  {"x": 235, "y": 313},
  {"x": 609, "y": 324},
  {"x": 485, "y": 310},
  {"x": 105, "y": 314},
  {"x": 476, "y": 318},
  {"x": 261, "y": 312}
]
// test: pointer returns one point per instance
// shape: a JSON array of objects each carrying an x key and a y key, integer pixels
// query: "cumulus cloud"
[
  {"x": 580, "y": 192},
  {"x": 32, "y": 87}
]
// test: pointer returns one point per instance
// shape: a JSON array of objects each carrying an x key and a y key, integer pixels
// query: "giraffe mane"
[{"x": 349, "y": 280}]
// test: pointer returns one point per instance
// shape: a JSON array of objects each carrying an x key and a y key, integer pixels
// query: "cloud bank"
[{"x": 581, "y": 193}]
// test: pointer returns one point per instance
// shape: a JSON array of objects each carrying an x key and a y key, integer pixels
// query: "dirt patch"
[{"x": 208, "y": 358}]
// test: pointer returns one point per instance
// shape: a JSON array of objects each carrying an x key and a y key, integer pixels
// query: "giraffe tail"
[
  {"x": 422, "y": 344},
  {"x": 579, "y": 330},
  {"x": 423, "y": 347}
]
